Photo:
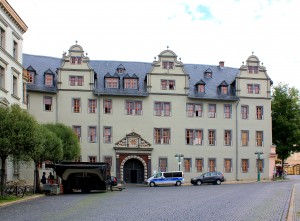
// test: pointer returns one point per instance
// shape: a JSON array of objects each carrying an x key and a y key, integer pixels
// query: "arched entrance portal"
[{"x": 133, "y": 171}]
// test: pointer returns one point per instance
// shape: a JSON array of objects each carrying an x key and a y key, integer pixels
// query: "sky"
[{"x": 198, "y": 31}]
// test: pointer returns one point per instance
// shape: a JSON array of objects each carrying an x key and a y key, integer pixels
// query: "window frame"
[
  {"x": 193, "y": 109},
  {"x": 245, "y": 115},
  {"x": 161, "y": 109},
  {"x": 187, "y": 165},
  {"x": 200, "y": 166},
  {"x": 259, "y": 112},
  {"x": 77, "y": 131},
  {"x": 162, "y": 164},
  {"x": 133, "y": 107},
  {"x": 226, "y": 169},
  {"x": 227, "y": 140},
  {"x": 2, "y": 77},
  {"x": 245, "y": 165},
  {"x": 48, "y": 107},
  {"x": 162, "y": 136},
  {"x": 212, "y": 111},
  {"x": 259, "y": 138},
  {"x": 76, "y": 105},
  {"x": 212, "y": 164},
  {"x": 92, "y": 137},
  {"x": 112, "y": 83},
  {"x": 212, "y": 137},
  {"x": 167, "y": 65},
  {"x": 49, "y": 80},
  {"x": 107, "y": 106},
  {"x": 227, "y": 114},
  {"x": 192, "y": 138},
  {"x": 107, "y": 134},
  {"x": 130, "y": 83},
  {"x": 246, "y": 132},
  {"x": 92, "y": 106}
]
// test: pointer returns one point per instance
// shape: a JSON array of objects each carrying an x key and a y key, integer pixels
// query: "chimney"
[{"x": 221, "y": 64}]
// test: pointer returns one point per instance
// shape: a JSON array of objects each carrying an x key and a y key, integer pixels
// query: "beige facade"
[{"x": 139, "y": 116}]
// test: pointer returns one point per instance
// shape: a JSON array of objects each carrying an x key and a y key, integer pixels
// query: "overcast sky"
[{"x": 198, "y": 31}]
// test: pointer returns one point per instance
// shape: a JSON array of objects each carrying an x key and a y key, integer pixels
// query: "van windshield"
[{"x": 157, "y": 175}]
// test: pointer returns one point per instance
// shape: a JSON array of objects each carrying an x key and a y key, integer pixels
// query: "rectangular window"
[
  {"x": 227, "y": 165},
  {"x": 245, "y": 137},
  {"x": 245, "y": 165},
  {"x": 78, "y": 159},
  {"x": 30, "y": 77},
  {"x": 227, "y": 138},
  {"x": 211, "y": 165},
  {"x": 187, "y": 164},
  {"x": 256, "y": 88},
  {"x": 162, "y": 136},
  {"x": 92, "y": 159},
  {"x": 201, "y": 88},
  {"x": 92, "y": 106},
  {"x": 130, "y": 83},
  {"x": 212, "y": 110},
  {"x": 260, "y": 165},
  {"x": 259, "y": 112},
  {"x": 162, "y": 164},
  {"x": 224, "y": 90},
  {"x": 15, "y": 50},
  {"x": 107, "y": 106},
  {"x": 76, "y": 105},
  {"x": 15, "y": 85},
  {"x": 199, "y": 165},
  {"x": 168, "y": 65},
  {"x": 107, "y": 136},
  {"x": 47, "y": 103},
  {"x": 108, "y": 159},
  {"x": 92, "y": 135},
  {"x": 250, "y": 88},
  {"x": 194, "y": 110},
  {"x": 2, "y": 77},
  {"x": 76, "y": 60},
  {"x": 253, "y": 69},
  {"x": 112, "y": 82},
  {"x": 244, "y": 111},
  {"x": 2, "y": 38},
  {"x": 77, "y": 131},
  {"x": 259, "y": 138},
  {"x": 49, "y": 80},
  {"x": 193, "y": 137},
  {"x": 167, "y": 84},
  {"x": 162, "y": 108},
  {"x": 227, "y": 111},
  {"x": 133, "y": 107},
  {"x": 76, "y": 80},
  {"x": 212, "y": 137},
  {"x": 253, "y": 88}
]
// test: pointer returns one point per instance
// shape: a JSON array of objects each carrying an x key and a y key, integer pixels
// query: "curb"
[{"x": 21, "y": 200}]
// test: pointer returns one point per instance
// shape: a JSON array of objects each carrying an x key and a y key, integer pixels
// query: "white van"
[{"x": 166, "y": 178}]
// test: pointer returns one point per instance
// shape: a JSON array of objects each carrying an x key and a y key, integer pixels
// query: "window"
[
  {"x": 30, "y": 77},
  {"x": 49, "y": 80},
  {"x": 92, "y": 106},
  {"x": 2, "y": 38},
  {"x": 133, "y": 107},
  {"x": 162, "y": 164},
  {"x": 227, "y": 111},
  {"x": 76, "y": 105},
  {"x": 256, "y": 88},
  {"x": 245, "y": 137},
  {"x": 47, "y": 103},
  {"x": 259, "y": 112},
  {"x": 162, "y": 108},
  {"x": 168, "y": 65},
  {"x": 78, "y": 159},
  {"x": 107, "y": 106},
  {"x": 253, "y": 69},
  {"x": 253, "y": 88},
  {"x": 76, "y": 80},
  {"x": 2, "y": 77},
  {"x": 112, "y": 82},
  {"x": 211, "y": 110},
  {"x": 227, "y": 165},
  {"x": 15, "y": 50},
  {"x": 211, "y": 137},
  {"x": 194, "y": 110},
  {"x": 211, "y": 165},
  {"x": 199, "y": 165},
  {"x": 92, "y": 136},
  {"x": 245, "y": 165},
  {"x": 224, "y": 89},
  {"x": 245, "y": 111},
  {"x": 201, "y": 88},
  {"x": 167, "y": 84},
  {"x": 130, "y": 83},
  {"x": 15, "y": 85},
  {"x": 227, "y": 138},
  {"x": 259, "y": 138},
  {"x": 162, "y": 136},
  {"x": 108, "y": 159},
  {"x": 77, "y": 131},
  {"x": 187, "y": 164},
  {"x": 260, "y": 165},
  {"x": 76, "y": 60},
  {"x": 193, "y": 137},
  {"x": 107, "y": 135},
  {"x": 92, "y": 159}
]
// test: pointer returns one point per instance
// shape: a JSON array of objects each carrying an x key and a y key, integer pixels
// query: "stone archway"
[{"x": 131, "y": 159}]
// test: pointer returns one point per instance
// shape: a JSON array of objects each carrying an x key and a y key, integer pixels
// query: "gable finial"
[
  {"x": 167, "y": 47},
  {"x": 252, "y": 52},
  {"x": 76, "y": 42}
]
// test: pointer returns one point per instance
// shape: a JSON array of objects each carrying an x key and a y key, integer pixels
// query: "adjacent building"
[{"x": 158, "y": 116}]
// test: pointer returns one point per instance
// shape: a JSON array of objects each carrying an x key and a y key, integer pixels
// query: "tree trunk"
[
  {"x": 2, "y": 175},
  {"x": 37, "y": 178}
]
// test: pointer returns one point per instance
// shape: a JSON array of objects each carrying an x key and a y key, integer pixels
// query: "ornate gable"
[{"x": 133, "y": 140}]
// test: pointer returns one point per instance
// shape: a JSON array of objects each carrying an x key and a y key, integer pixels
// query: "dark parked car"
[{"x": 209, "y": 177}]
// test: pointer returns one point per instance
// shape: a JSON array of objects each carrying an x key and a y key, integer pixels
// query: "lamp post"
[
  {"x": 179, "y": 157},
  {"x": 258, "y": 158}
]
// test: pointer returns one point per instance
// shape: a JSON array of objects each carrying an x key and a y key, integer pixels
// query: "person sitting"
[
  {"x": 51, "y": 178},
  {"x": 44, "y": 180}
]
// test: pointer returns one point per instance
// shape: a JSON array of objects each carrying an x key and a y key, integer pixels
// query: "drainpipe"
[
  {"x": 237, "y": 142},
  {"x": 99, "y": 127}
]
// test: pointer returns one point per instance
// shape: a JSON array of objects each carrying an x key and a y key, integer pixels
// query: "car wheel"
[
  {"x": 178, "y": 183},
  {"x": 218, "y": 182},
  {"x": 199, "y": 182},
  {"x": 152, "y": 184}
]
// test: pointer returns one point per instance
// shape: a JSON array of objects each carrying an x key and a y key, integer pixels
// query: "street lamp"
[
  {"x": 258, "y": 158},
  {"x": 179, "y": 157}
]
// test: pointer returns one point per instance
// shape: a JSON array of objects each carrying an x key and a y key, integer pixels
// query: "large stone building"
[
  {"x": 12, "y": 74},
  {"x": 139, "y": 116}
]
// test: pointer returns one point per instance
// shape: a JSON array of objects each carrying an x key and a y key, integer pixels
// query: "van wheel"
[
  {"x": 218, "y": 182},
  {"x": 152, "y": 184},
  {"x": 178, "y": 183},
  {"x": 199, "y": 182}
]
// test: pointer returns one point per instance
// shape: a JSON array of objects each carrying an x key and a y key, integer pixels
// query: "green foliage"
[
  {"x": 71, "y": 147},
  {"x": 286, "y": 120}
]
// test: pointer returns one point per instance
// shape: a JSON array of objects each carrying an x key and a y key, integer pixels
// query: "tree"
[
  {"x": 48, "y": 147},
  {"x": 285, "y": 120},
  {"x": 17, "y": 139},
  {"x": 71, "y": 147}
]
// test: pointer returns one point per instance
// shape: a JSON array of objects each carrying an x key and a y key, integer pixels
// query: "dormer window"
[
  {"x": 31, "y": 77},
  {"x": 200, "y": 87},
  {"x": 111, "y": 82},
  {"x": 120, "y": 69},
  {"x": 48, "y": 79},
  {"x": 253, "y": 69},
  {"x": 224, "y": 90},
  {"x": 168, "y": 65},
  {"x": 208, "y": 73},
  {"x": 76, "y": 60},
  {"x": 130, "y": 83}
]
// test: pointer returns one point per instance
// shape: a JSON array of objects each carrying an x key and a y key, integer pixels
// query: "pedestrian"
[
  {"x": 51, "y": 178},
  {"x": 44, "y": 180}
]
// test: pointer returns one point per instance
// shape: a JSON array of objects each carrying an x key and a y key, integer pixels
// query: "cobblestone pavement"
[{"x": 248, "y": 201}]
